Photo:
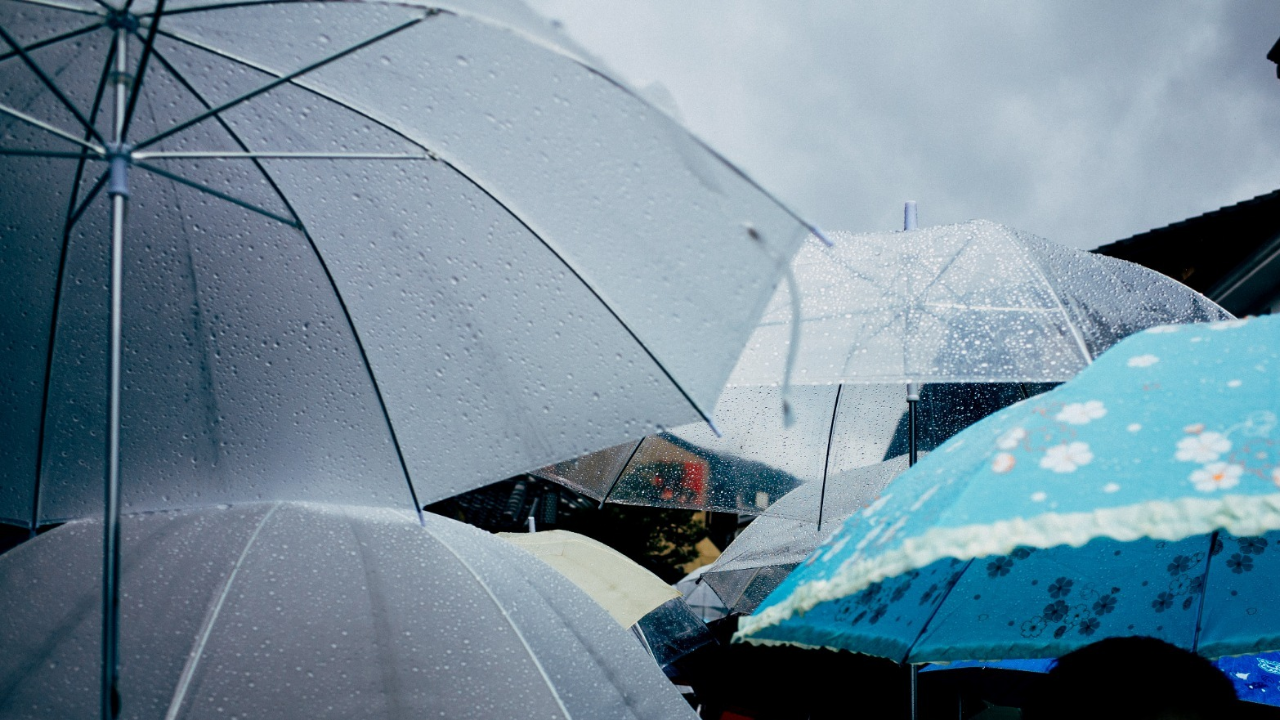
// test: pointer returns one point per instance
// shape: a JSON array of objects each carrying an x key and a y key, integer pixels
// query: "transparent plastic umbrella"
[
  {"x": 768, "y": 549},
  {"x": 973, "y": 302},
  {"x": 393, "y": 248},
  {"x": 289, "y": 610},
  {"x": 758, "y": 459},
  {"x": 905, "y": 339},
  {"x": 701, "y": 597}
]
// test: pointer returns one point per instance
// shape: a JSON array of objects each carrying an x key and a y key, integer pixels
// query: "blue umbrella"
[
  {"x": 1132, "y": 500},
  {"x": 1256, "y": 677}
]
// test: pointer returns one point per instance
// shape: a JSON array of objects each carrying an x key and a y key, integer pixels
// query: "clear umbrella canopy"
[
  {"x": 311, "y": 611},
  {"x": 984, "y": 314},
  {"x": 366, "y": 253},
  {"x": 974, "y": 302},
  {"x": 768, "y": 549},
  {"x": 758, "y": 458}
]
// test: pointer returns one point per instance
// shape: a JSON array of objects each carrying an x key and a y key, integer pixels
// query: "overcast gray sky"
[{"x": 1084, "y": 121}]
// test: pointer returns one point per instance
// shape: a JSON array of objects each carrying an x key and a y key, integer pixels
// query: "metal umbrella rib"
[{"x": 577, "y": 273}]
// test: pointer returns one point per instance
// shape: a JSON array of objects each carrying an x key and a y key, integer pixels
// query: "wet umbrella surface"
[
  {"x": 372, "y": 250},
  {"x": 314, "y": 611},
  {"x": 1139, "y": 498}
]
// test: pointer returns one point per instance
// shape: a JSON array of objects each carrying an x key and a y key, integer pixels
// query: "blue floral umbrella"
[
  {"x": 1134, "y": 499},
  {"x": 1255, "y": 677}
]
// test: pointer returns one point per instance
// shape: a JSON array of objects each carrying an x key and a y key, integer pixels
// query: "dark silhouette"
[{"x": 1132, "y": 678}]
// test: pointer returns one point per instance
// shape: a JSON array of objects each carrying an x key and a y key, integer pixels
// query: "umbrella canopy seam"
[
  {"x": 510, "y": 623},
  {"x": 210, "y": 618},
  {"x": 524, "y": 223}
]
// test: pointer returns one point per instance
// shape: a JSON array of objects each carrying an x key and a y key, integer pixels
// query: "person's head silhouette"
[{"x": 1135, "y": 678}]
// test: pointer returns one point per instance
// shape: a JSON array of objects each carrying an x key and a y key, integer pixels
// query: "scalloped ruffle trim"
[{"x": 1241, "y": 515}]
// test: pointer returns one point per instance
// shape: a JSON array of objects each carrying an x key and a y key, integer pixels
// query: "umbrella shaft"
[{"x": 111, "y": 509}]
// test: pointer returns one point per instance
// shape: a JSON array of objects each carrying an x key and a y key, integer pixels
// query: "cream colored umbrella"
[{"x": 619, "y": 584}]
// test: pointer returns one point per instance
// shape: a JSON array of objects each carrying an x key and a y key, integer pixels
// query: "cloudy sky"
[{"x": 1084, "y": 121}]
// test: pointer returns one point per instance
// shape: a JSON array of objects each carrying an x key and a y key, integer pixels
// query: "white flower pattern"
[
  {"x": 1141, "y": 361},
  {"x": 1227, "y": 324},
  {"x": 1202, "y": 448},
  {"x": 1003, "y": 463},
  {"x": 1010, "y": 439},
  {"x": 1081, "y": 413},
  {"x": 1066, "y": 457},
  {"x": 1217, "y": 476}
]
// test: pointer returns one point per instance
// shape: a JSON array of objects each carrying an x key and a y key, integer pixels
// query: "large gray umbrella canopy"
[
  {"x": 371, "y": 250},
  {"x": 277, "y": 610},
  {"x": 973, "y": 302}
]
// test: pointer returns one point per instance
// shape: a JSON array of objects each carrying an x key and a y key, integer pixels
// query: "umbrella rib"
[
  {"x": 88, "y": 198},
  {"x": 510, "y": 623},
  {"x": 49, "y": 83},
  {"x": 925, "y": 627},
  {"x": 324, "y": 266},
  {"x": 1066, "y": 316},
  {"x": 19, "y": 152},
  {"x": 224, "y": 6},
  {"x": 1204, "y": 589},
  {"x": 19, "y": 115},
  {"x": 68, "y": 223},
  {"x": 826, "y": 460},
  {"x": 704, "y": 415},
  {"x": 271, "y": 155},
  {"x": 218, "y": 194},
  {"x": 210, "y": 618},
  {"x": 281, "y": 80},
  {"x": 148, "y": 46},
  {"x": 621, "y": 472},
  {"x": 53, "y": 40},
  {"x": 64, "y": 6}
]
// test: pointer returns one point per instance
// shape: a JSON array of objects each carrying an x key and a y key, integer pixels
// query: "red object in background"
[
  {"x": 731, "y": 715},
  {"x": 695, "y": 478}
]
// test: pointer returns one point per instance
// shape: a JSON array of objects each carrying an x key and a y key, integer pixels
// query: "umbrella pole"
[
  {"x": 913, "y": 397},
  {"x": 915, "y": 700},
  {"x": 118, "y": 190}
]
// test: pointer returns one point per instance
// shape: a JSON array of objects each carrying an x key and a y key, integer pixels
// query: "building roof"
[{"x": 1231, "y": 254}]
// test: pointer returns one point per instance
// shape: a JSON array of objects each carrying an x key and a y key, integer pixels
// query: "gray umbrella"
[
  {"x": 372, "y": 249},
  {"x": 314, "y": 611},
  {"x": 375, "y": 252}
]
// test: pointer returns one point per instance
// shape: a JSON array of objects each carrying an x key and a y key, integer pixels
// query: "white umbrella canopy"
[
  {"x": 975, "y": 302},
  {"x": 397, "y": 249},
  {"x": 287, "y": 610}
]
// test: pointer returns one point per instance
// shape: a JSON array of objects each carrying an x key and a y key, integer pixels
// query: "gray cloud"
[{"x": 1083, "y": 121}]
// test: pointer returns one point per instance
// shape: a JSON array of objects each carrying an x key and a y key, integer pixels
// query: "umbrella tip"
[
  {"x": 909, "y": 215},
  {"x": 712, "y": 424}
]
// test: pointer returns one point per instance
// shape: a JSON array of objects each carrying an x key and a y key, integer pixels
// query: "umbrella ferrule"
[{"x": 119, "y": 157}]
